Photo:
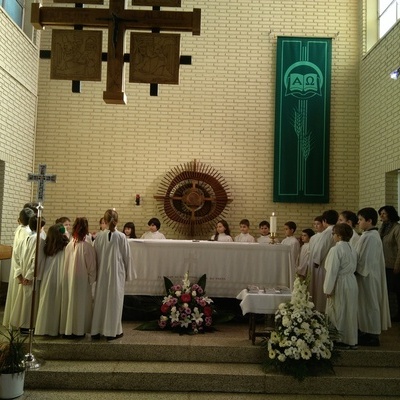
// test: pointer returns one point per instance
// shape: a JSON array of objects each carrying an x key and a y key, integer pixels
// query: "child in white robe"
[
  {"x": 291, "y": 240},
  {"x": 20, "y": 234},
  {"x": 340, "y": 287},
  {"x": 244, "y": 236},
  {"x": 350, "y": 218},
  {"x": 373, "y": 302},
  {"x": 25, "y": 259},
  {"x": 153, "y": 233},
  {"x": 51, "y": 273},
  {"x": 222, "y": 232},
  {"x": 114, "y": 268},
  {"x": 304, "y": 257},
  {"x": 319, "y": 249},
  {"x": 265, "y": 237},
  {"x": 79, "y": 275}
]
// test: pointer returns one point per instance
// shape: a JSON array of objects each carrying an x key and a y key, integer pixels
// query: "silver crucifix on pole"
[{"x": 41, "y": 178}]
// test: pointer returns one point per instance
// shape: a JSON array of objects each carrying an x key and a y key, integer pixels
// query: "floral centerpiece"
[
  {"x": 301, "y": 344},
  {"x": 186, "y": 308}
]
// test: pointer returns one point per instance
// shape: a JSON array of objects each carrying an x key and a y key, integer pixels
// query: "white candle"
[{"x": 273, "y": 223}]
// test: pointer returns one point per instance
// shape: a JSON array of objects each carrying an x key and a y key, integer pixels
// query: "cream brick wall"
[
  {"x": 222, "y": 114},
  {"x": 18, "y": 97},
  {"x": 379, "y": 119}
]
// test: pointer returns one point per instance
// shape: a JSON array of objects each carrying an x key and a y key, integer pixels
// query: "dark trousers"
[{"x": 393, "y": 286}]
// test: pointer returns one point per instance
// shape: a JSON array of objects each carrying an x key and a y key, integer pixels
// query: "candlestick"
[{"x": 273, "y": 223}]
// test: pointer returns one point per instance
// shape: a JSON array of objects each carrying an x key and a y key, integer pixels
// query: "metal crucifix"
[
  {"x": 41, "y": 178},
  {"x": 117, "y": 20}
]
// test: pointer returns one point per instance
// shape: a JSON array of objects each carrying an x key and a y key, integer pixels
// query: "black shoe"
[
  {"x": 109, "y": 338},
  {"x": 24, "y": 331},
  {"x": 341, "y": 346},
  {"x": 369, "y": 340},
  {"x": 96, "y": 337}
]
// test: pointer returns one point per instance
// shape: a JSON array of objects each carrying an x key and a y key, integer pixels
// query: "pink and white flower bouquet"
[{"x": 186, "y": 308}]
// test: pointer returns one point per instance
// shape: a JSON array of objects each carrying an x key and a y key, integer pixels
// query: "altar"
[{"x": 230, "y": 267}]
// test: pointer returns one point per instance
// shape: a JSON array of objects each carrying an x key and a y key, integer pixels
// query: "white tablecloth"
[
  {"x": 262, "y": 303},
  {"x": 229, "y": 266}
]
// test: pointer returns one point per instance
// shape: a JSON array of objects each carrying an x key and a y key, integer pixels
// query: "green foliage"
[
  {"x": 13, "y": 348},
  {"x": 168, "y": 284},
  {"x": 202, "y": 282}
]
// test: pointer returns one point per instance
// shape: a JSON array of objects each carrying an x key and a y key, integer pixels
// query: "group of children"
[
  {"x": 80, "y": 282},
  {"x": 346, "y": 270}
]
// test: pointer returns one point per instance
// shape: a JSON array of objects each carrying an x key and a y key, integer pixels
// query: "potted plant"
[{"x": 13, "y": 348}]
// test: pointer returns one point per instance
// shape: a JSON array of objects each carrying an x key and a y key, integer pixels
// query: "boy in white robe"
[
  {"x": 113, "y": 269},
  {"x": 340, "y": 287},
  {"x": 291, "y": 240},
  {"x": 350, "y": 218},
  {"x": 20, "y": 234},
  {"x": 304, "y": 256},
  {"x": 373, "y": 303},
  {"x": 318, "y": 251},
  {"x": 244, "y": 236},
  {"x": 153, "y": 233}
]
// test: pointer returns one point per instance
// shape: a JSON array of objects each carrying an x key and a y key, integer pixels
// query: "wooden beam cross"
[{"x": 117, "y": 20}]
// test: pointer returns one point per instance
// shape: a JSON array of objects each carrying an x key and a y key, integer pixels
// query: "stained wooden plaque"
[
  {"x": 155, "y": 3},
  {"x": 76, "y": 55},
  {"x": 154, "y": 58}
]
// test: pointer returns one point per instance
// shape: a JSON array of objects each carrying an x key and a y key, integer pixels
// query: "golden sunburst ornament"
[{"x": 192, "y": 197}]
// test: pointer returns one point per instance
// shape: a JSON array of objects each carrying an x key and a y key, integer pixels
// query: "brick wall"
[
  {"x": 18, "y": 98},
  {"x": 379, "y": 121},
  {"x": 222, "y": 114}
]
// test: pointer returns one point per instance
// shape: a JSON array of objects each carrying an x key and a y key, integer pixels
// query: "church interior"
[{"x": 219, "y": 113}]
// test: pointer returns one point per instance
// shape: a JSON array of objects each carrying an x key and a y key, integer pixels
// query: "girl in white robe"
[
  {"x": 79, "y": 275},
  {"x": 340, "y": 286},
  {"x": 114, "y": 268},
  {"x": 51, "y": 272},
  {"x": 222, "y": 232}
]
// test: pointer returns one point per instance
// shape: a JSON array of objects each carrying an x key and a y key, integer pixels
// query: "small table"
[{"x": 261, "y": 302}]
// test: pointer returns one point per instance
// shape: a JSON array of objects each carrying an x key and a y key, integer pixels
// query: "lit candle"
[{"x": 272, "y": 223}]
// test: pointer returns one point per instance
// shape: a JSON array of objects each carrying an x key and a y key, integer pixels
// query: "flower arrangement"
[
  {"x": 301, "y": 343},
  {"x": 186, "y": 308}
]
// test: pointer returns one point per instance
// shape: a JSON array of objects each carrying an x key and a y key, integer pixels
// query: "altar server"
[
  {"x": 51, "y": 271},
  {"x": 318, "y": 251},
  {"x": 291, "y": 240},
  {"x": 153, "y": 233},
  {"x": 304, "y": 257},
  {"x": 244, "y": 235},
  {"x": 222, "y": 232},
  {"x": 350, "y": 218},
  {"x": 25, "y": 259},
  {"x": 373, "y": 303},
  {"x": 21, "y": 233},
  {"x": 114, "y": 268},
  {"x": 340, "y": 286},
  {"x": 79, "y": 275}
]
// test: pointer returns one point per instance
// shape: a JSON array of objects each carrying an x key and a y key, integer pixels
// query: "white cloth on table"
[
  {"x": 262, "y": 302},
  {"x": 294, "y": 250}
]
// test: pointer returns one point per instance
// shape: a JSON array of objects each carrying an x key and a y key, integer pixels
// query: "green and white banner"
[{"x": 302, "y": 118}]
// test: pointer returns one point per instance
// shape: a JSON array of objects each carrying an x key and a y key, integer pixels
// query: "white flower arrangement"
[{"x": 301, "y": 340}]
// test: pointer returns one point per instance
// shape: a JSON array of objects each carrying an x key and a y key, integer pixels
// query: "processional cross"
[
  {"x": 41, "y": 178},
  {"x": 154, "y": 56}
]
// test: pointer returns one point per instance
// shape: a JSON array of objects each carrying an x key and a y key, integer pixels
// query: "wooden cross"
[
  {"x": 41, "y": 178},
  {"x": 117, "y": 20}
]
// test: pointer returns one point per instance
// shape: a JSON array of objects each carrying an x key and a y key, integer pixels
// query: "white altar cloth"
[
  {"x": 263, "y": 302},
  {"x": 229, "y": 266}
]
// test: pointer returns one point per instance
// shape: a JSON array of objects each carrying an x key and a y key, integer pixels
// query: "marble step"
[
  {"x": 187, "y": 351},
  {"x": 207, "y": 377}
]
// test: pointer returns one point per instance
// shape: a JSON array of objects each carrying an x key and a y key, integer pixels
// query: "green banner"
[{"x": 302, "y": 118}]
